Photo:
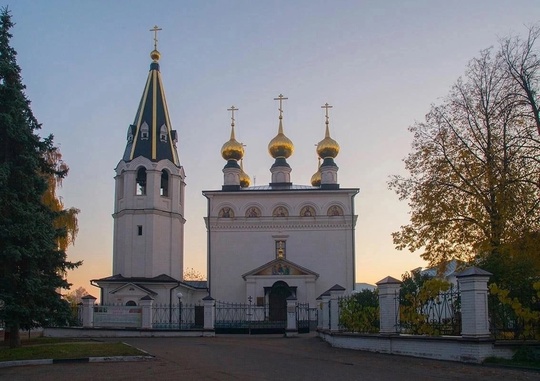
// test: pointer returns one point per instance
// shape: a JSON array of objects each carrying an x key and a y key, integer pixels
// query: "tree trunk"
[{"x": 14, "y": 336}]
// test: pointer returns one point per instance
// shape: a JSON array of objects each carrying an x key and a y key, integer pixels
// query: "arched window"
[
  {"x": 130, "y": 134},
  {"x": 144, "y": 131},
  {"x": 163, "y": 133},
  {"x": 141, "y": 182},
  {"x": 164, "y": 188},
  {"x": 120, "y": 186},
  {"x": 131, "y": 303}
]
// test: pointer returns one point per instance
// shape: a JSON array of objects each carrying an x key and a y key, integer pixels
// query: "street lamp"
[{"x": 179, "y": 295}]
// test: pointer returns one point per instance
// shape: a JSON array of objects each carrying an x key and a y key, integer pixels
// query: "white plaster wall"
[{"x": 321, "y": 243}]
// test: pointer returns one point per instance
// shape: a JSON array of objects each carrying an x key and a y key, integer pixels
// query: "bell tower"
[{"x": 149, "y": 190}]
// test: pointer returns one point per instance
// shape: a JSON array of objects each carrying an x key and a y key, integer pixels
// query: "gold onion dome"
[
  {"x": 245, "y": 181},
  {"x": 232, "y": 150},
  {"x": 155, "y": 55},
  {"x": 280, "y": 146},
  {"x": 316, "y": 178},
  {"x": 327, "y": 147}
]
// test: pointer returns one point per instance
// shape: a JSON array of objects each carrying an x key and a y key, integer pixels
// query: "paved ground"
[{"x": 270, "y": 357}]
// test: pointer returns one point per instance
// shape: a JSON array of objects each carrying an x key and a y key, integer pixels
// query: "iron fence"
[
  {"x": 249, "y": 318},
  {"x": 518, "y": 320},
  {"x": 438, "y": 314},
  {"x": 177, "y": 316}
]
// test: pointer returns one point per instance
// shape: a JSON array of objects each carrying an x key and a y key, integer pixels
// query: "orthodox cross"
[
  {"x": 280, "y": 98},
  {"x": 326, "y": 106},
  {"x": 232, "y": 110},
  {"x": 155, "y": 29}
]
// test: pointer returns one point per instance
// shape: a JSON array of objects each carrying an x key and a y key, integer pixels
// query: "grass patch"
[
  {"x": 525, "y": 357},
  {"x": 47, "y": 348},
  {"x": 513, "y": 363}
]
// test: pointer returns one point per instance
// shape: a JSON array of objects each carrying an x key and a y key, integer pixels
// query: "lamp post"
[{"x": 179, "y": 295}]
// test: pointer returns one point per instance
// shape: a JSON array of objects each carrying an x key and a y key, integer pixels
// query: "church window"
[
  {"x": 144, "y": 131},
  {"x": 335, "y": 210},
  {"x": 139, "y": 229},
  {"x": 280, "y": 249},
  {"x": 163, "y": 134},
  {"x": 141, "y": 182},
  {"x": 226, "y": 212},
  {"x": 130, "y": 134},
  {"x": 253, "y": 212},
  {"x": 280, "y": 211},
  {"x": 164, "y": 188},
  {"x": 120, "y": 186},
  {"x": 131, "y": 303},
  {"x": 307, "y": 211}
]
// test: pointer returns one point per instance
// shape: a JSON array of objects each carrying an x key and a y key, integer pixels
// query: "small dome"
[
  {"x": 245, "y": 181},
  {"x": 316, "y": 179},
  {"x": 155, "y": 55},
  {"x": 280, "y": 146}
]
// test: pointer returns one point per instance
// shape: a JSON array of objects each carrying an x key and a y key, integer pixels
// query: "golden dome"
[
  {"x": 232, "y": 149},
  {"x": 327, "y": 147},
  {"x": 280, "y": 146},
  {"x": 245, "y": 181},
  {"x": 155, "y": 55},
  {"x": 317, "y": 176}
]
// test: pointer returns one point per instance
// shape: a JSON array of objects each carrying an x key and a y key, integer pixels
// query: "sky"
[{"x": 380, "y": 64}]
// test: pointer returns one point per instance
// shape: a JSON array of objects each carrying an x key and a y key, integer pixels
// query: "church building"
[
  {"x": 265, "y": 243},
  {"x": 270, "y": 242}
]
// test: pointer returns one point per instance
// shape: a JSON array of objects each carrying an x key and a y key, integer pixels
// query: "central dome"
[
  {"x": 327, "y": 147},
  {"x": 281, "y": 146},
  {"x": 233, "y": 149}
]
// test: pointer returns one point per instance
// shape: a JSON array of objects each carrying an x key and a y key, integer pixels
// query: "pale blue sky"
[{"x": 379, "y": 63}]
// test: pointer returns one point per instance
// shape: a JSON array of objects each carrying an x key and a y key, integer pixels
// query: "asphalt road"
[{"x": 269, "y": 357}]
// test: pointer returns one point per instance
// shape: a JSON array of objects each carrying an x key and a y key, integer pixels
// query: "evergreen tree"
[{"x": 32, "y": 264}]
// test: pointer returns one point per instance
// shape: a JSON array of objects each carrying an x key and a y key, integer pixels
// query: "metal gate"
[
  {"x": 248, "y": 318},
  {"x": 306, "y": 318}
]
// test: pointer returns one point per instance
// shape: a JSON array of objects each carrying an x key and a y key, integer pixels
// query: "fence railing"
[
  {"x": 177, "y": 316},
  {"x": 438, "y": 314},
  {"x": 514, "y": 322}
]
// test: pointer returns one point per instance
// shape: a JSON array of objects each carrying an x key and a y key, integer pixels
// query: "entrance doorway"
[{"x": 278, "y": 301}]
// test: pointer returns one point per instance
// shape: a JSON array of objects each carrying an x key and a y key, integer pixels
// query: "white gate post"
[
  {"x": 209, "y": 316},
  {"x": 474, "y": 303},
  {"x": 292, "y": 329},
  {"x": 325, "y": 310},
  {"x": 335, "y": 293},
  {"x": 88, "y": 302},
  {"x": 146, "y": 305},
  {"x": 388, "y": 305}
]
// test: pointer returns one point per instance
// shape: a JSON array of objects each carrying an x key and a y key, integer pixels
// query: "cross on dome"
[
  {"x": 232, "y": 110},
  {"x": 280, "y": 98},
  {"x": 155, "y": 29}
]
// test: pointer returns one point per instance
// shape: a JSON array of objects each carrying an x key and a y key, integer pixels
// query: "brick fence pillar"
[
  {"x": 292, "y": 329},
  {"x": 209, "y": 314},
  {"x": 88, "y": 302},
  {"x": 389, "y": 305},
  {"x": 335, "y": 293},
  {"x": 325, "y": 310},
  {"x": 474, "y": 302},
  {"x": 146, "y": 304}
]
